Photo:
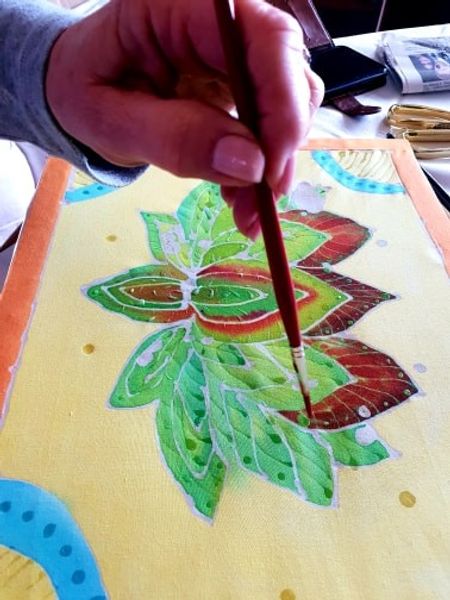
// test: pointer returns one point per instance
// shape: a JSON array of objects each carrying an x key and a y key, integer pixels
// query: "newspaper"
[{"x": 420, "y": 64}]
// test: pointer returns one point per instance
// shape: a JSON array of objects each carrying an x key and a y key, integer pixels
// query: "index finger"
[
  {"x": 285, "y": 92},
  {"x": 274, "y": 53}
]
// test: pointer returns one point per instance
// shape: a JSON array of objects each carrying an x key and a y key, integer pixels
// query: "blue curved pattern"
[
  {"x": 359, "y": 184},
  {"x": 88, "y": 192},
  {"x": 39, "y": 526}
]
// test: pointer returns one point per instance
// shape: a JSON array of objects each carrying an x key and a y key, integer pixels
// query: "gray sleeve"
[{"x": 28, "y": 29}]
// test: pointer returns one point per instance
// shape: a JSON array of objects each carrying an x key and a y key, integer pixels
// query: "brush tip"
[
  {"x": 308, "y": 405},
  {"x": 306, "y": 399}
]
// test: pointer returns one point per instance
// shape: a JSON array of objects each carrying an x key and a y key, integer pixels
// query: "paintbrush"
[{"x": 247, "y": 109}]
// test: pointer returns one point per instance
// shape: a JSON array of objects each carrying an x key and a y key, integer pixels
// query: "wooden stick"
[{"x": 244, "y": 97}]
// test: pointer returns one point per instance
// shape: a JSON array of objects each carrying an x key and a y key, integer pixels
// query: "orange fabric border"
[
  {"x": 433, "y": 214},
  {"x": 25, "y": 272},
  {"x": 22, "y": 282}
]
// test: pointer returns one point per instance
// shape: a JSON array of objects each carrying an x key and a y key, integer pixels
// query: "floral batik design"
[{"x": 219, "y": 366}]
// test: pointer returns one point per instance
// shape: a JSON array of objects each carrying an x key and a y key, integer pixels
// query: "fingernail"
[{"x": 240, "y": 158}]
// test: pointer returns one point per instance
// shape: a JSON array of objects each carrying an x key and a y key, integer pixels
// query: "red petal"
[
  {"x": 362, "y": 298},
  {"x": 346, "y": 236},
  {"x": 379, "y": 384}
]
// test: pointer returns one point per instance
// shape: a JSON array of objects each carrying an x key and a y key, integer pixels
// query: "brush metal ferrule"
[{"x": 299, "y": 360}]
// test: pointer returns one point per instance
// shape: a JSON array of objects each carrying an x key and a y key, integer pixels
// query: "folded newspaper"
[{"x": 420, "y": 64}]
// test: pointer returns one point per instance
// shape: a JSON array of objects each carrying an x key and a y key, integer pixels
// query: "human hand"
[{"x": 145, "y": 82}]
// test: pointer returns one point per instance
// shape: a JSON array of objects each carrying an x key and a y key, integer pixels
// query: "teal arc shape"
[
  {"x": 87, "y": 192},
  {"x": 358, "y": 184},
  {"x": 38, "y": 525}
]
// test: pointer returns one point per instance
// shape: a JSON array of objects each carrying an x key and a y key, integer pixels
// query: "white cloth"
[{"x": 17, "y": 187}]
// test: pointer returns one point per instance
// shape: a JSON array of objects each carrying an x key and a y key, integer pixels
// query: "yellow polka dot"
[
  {"x": 88, "y": 348},
  {"x": 111, "y": 237},
  {"x": 287, "y": 595},
  {"x": 407, "y": 499}
]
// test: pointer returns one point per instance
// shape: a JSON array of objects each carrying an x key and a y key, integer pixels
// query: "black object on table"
[{"x": 441, "y": 194}]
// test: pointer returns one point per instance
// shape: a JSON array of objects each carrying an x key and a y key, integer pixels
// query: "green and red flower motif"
[{"x": 220, "y": 368}]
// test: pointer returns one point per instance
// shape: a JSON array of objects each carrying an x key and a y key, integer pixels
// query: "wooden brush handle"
[{"x": 247, "y": 108}]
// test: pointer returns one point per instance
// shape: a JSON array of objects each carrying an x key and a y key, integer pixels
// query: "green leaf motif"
[
  {"x": 152, "y": 369},
  {"x": 194, "y": 445},
  {"x": 351, "y": 450},
  {"x": 269, "y": 446},
  {"x": 191, "y": 386},
  {"x": 263, "y": 371},
  {"x": 197, "y": 214},
  {"x": 312, "y": 462},
  {"x": 185, "y": 439},
  {"x": 166, "y": 239},
  {"x": 223, "y": 251},
  {"x": 217, "y": 296},
  {"x": 226, "y": 241},
  {"x": 141, "y": 293},
  {"x": 299, "y": 240}
]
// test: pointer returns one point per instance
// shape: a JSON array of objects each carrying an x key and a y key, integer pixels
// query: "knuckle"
[{"x": 286, "y": 23}]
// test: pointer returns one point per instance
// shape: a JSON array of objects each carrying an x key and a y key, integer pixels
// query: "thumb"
[{"x": 186, "y": 137}]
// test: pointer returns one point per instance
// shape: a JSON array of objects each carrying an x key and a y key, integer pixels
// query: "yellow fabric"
[
  {"x": 21, "y": 578},
  {"x": 389, "y": 537}
]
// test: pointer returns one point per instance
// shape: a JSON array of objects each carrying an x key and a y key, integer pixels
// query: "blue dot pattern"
[
  {"x": 65, "y": 550},
  {"x": 358, "y": 184},
  {"x": 78, "y": 576},
  {"x": 39, "y": 526},
  {"x": 88, "y": 192},
  {"x": 49, "y": 530}
]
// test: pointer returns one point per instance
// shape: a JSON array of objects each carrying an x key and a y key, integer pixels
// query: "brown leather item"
[
  {"x": 317, "y": 38},
  {"x": 352, "y": 107},
  {"x": 314, "y": 31}
]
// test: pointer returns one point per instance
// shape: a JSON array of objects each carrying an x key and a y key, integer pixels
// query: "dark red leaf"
[
  {"x": 377, "y": 385},
  {"x": 362, "y": 298},
  {"x": 346, "y": 236}
]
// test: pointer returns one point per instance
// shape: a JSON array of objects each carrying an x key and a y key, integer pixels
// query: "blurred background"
[{"x": 351, "y": 17}]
